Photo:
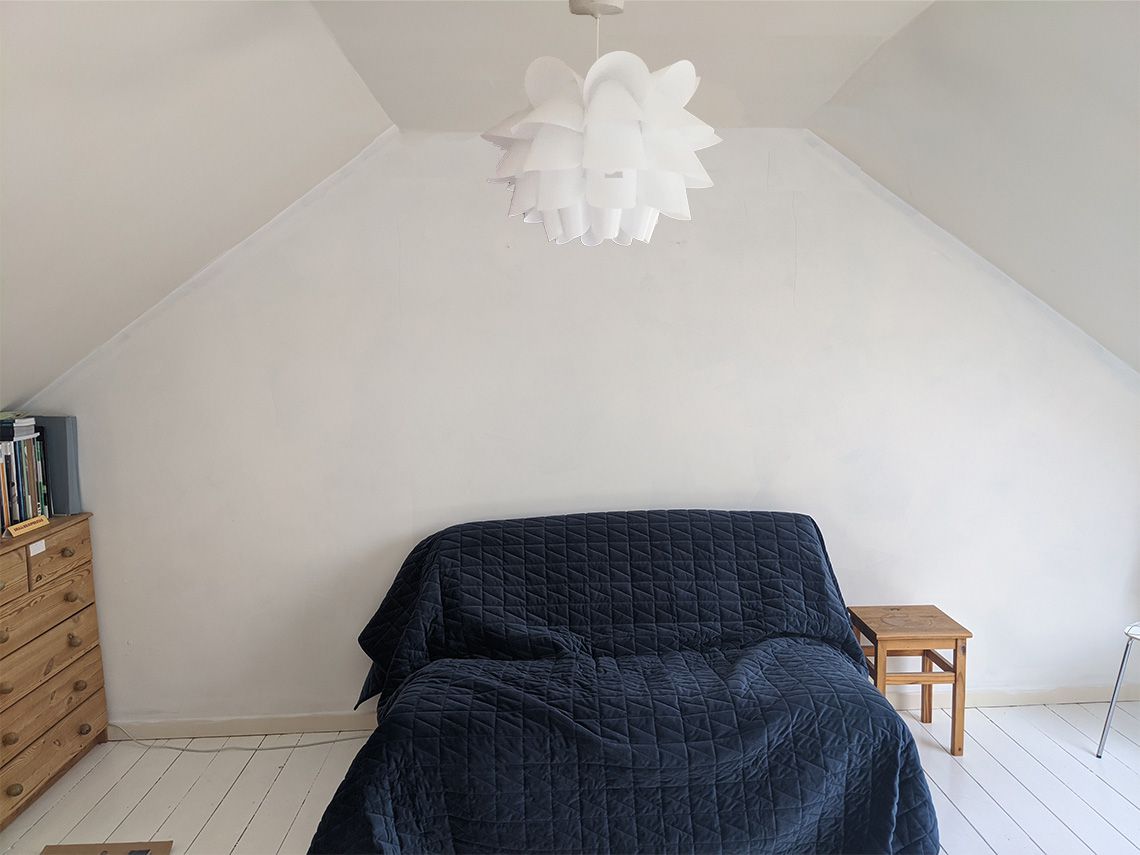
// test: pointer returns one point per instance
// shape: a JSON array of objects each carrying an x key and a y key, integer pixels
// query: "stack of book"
[{"x": 25, "y": 494}]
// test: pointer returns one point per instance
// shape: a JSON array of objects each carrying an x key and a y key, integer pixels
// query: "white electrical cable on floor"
[{"x": 153, "y": 744}]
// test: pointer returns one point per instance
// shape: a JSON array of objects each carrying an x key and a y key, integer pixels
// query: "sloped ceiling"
[
  {"x": 142, "y": 140},
  {"x": 459, "y": 64},
  {"x": 1016, "y": 127}
]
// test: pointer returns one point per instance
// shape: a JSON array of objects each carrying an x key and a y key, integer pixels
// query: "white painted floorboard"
[
  {"x": 328, "y": 779},
  {"x": 1028, "y": 783},
  {"x": 144, "y": 820},
  {"x": 1014, "y": 796},
  {"x": 266, "y": 831},
  {"x": 195, "y": 810},
  {"x": 101, "y": 821}
]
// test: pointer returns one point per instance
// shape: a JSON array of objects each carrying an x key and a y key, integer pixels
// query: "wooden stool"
[{"x": 917, "y": 631}]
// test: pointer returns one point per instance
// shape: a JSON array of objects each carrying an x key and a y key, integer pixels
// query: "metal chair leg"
[{"x": 1112, "y": 702}]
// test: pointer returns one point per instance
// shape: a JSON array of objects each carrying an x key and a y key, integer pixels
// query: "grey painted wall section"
[{"x": 1015, "y": 126}]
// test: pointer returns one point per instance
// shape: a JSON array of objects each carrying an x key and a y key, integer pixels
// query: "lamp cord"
[{"x": 154, "y": 744}]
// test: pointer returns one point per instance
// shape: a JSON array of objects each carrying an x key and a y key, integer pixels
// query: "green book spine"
[
  {"x": 21, "y": 494},
  {"x": 30, "y": 477},
  {"x": 35, "y": 480},
  {"x": 40, "y": 484}
]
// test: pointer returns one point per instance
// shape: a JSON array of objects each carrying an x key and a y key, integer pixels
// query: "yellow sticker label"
[{"x": 27, "y": 525}]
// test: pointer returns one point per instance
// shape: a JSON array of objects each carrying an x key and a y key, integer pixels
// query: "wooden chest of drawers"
[{"x": 52, "y": 707}]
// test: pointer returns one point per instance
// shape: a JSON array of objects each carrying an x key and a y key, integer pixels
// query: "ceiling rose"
[{"x": 602, "y": 157}]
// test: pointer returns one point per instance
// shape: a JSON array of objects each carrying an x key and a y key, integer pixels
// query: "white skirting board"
[
  {"x": 903, "y": 697},
  {"x": 909, "y": 697}
]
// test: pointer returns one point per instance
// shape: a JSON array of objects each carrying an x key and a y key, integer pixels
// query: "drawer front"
[
  {"x": 38, "y": 710},
  {"x": 62, "y": 553},
  {"x": 36, "y": 661},
  {"x": 22, "y": 778},
  {"x": 13, "y": 575},
  {"x": 37, "y": 612}
]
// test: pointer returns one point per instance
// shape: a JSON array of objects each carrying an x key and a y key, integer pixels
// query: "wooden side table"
[{"x": 917, "y": 631}]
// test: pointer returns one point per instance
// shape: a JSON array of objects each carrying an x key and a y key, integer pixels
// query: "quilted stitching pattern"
[{"x": 665, "y": 681}]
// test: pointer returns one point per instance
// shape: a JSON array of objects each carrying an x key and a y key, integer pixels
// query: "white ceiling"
[
  {"x": 1016, "y": 127},
  {"x": 458, "y": 65},
  {"x": 139, "y": 142},
  {"x": 142, "y": 140}
]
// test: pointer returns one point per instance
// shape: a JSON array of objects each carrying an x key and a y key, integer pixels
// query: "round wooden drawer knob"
[
  {"x": 4, "y": 635},
  {"x": 67, "y": 552},
  {"x": 14, "y": 790},
  {"x": 6, "y": 688},
  {"x": 73, "y": 640},
  {"x": 80, "y": 685},
  {"x": 10, "y": 738},
  {"x": 71, "y": 596},
  {"x": 84, "y": 729}
]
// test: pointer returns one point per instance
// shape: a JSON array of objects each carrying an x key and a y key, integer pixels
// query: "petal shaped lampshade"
[{"x": 602, "y": 157}]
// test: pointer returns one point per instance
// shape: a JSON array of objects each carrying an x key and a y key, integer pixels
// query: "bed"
[{"x": 661, "y": 681}]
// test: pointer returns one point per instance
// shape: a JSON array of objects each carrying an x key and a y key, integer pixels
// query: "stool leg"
[
  {"x": 958, "y": 716},
  {"x": 927, "y": 691},
  {"x": 881, "y": 667},
  {"x": 1112, "y": 702}
]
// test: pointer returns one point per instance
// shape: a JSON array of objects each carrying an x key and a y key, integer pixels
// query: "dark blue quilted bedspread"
[{"x": 663, "y": 681}]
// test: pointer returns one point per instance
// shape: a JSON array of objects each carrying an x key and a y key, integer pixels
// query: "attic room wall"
[
  {"x": 140, "y": 141},
  {"x": 392, "y": 355},
  {"x": 1014, "y": 125}
]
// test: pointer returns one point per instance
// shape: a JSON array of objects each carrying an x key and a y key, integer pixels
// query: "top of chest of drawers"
[
  {"x": 49, "y": 553},
  {"x": 56, "y": 525}
]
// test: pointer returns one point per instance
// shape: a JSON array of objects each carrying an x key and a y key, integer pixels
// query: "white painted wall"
[
  {"x": 140, "y": 141},
  {"x": 1014, "y": 125},
  {"x": 392, "y": 355}
]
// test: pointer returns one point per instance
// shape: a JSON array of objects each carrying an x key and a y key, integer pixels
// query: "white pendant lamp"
[{"x": 602, "y": 158}]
